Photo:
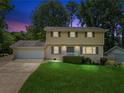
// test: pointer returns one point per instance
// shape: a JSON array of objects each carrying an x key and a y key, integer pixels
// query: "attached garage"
[
  {"x": 29, "y": 53},
  {"x": 117, "y": 53},
  {"x": 28, "y": 49}
]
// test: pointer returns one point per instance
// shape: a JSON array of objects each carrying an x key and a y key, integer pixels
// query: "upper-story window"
[
  {"x": 90, "y": 34},
  {"x": 55, "y": 34},
  {"x": 72, "y": 34}
]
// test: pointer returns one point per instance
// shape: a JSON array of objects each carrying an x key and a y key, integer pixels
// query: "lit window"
[
  {"x": 56, "y": 50},
  {"x": 72, "y": 34},
  {"x": 94, "y": 50},
  {"x": 89, "y": 34},
  {"x": 55, "y": 34},
  {"x": 89, "y": 50}
]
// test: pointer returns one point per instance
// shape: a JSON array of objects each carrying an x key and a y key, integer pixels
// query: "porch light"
[{"x": 54, "y": 60}]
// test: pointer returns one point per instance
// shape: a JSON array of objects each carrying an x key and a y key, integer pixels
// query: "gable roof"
[
  {"x": 115, "y": 47},
  {"x": 28, "y": 43},
  {"x": 86, "y": 29}
]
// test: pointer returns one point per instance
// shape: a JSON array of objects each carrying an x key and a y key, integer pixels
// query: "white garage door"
[{"x": 29, "y": 54}]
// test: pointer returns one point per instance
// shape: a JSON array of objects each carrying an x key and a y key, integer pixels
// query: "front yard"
[{"x": 70, "y": 78}]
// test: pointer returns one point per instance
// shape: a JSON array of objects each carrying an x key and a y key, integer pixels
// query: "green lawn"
[{"x": 70, "y": 78}]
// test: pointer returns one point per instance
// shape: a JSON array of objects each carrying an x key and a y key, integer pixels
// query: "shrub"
[
  {"x": 77, "y": 60},
  {"x": 86, "y": 60},
  {"x": 113, "y": 63},
  {"x": 110, "y": 62},
  {"x": 72, "y": 59},
  {"x": 103, "y": 61}
]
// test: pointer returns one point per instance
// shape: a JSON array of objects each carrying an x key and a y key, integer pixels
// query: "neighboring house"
[
  {"x": 116, "y": 53},
  {"x": 61, "y": 41}
]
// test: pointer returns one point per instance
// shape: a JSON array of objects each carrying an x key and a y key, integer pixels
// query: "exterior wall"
[
  {"x": 95, "y": 57},
  {"x": 81, "y": 39}
]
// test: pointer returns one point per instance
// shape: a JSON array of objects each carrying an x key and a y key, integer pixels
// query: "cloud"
[{"x": 15, "y": 26}]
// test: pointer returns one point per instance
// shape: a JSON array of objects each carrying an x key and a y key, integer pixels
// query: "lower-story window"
[
  {"x": 90, "y": 50},
  {"x": 55, "y": 50},
  {"x": 70, "y": 49}
]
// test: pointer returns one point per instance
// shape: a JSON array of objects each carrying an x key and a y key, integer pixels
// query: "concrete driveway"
[{"x": 14, "y": 73}]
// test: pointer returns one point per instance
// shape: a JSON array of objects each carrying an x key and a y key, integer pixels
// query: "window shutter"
[
  {"x": 59, "y": 34},
  {"x": 85, "y": 34},
  {"x": 97, "y": 50},
  {"x": 52, "y": 50},
  {"x": 81, "y": 50},
  {"x": 68, "y": 34},
  {"x": 93, "y": 34},
  {"x": 76, "y": 34},
  {"x": 51, "y": 33},
  {"x": 59, "y": 50}
]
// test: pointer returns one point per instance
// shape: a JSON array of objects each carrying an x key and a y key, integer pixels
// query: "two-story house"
[
  {"x": 61, "y": 41},
  {"x": 86, "y": 42}
]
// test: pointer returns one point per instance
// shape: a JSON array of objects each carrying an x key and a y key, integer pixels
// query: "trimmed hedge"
[
  {"x": 72, "y": 59},
  {"x": 103, "y": 61},
  {"x": 77, "y": 60}
]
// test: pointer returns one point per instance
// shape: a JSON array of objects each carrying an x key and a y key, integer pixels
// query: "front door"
[{"x": 70, "y": 51}]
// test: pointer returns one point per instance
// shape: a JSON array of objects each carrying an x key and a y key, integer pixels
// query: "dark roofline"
[
  {"x": 28, "y": 43},
  {"x": 113, "y": 49},
  {"x": 86, "y": 29}
]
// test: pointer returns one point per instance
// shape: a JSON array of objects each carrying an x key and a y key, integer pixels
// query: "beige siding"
[
  {"x": 80, "y": 40},
  {"x": 95, "y": 57}
]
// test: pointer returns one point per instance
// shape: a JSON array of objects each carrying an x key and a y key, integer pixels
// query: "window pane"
[
  {"x": 70, "y": 49},
  {"x": 84, "y": 52},
  {"x": 56, "y": 50},
  {"x": 55, "y": 34},
  {"x": 89, "y": 34},
  {"x": 94, "y": 50},
  {"x": 88, "y": 50},
  {"x": 72, "y": 34}
]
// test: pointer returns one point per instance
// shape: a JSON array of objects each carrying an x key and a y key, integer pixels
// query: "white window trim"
[
  {"x": 93, "y": 50},
  {"x": 55, "y": 34},
  {"x": 72, "y": 34},
  {"x": 55, "y": 50},
  {"x": 89, "y": 34}
]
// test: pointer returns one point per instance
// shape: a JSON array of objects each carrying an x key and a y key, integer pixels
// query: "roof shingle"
[
  {"x": 86, "y": 29},
  {"x": 28, "y": 43}
]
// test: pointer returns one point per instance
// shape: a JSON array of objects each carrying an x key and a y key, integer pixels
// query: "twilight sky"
[{"x": 20, "y": 16}]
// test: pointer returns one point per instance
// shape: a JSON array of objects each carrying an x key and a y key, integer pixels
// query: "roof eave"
[{"x": 50, "y": 29}]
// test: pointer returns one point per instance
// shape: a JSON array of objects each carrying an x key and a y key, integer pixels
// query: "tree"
[
  {"x": 122, "y": 30},
  {"x": 72, "y": 8},
  {"x": 101, "y": 13},
  {"x": 8, "y": 40},
  {"x": 4, "y": 8},
  {"x": 50, "y": 13},
  {"x": 19, "y": 35},
  {"x": 121, "y": 23},
  {"x": 85, "y": 13}
]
